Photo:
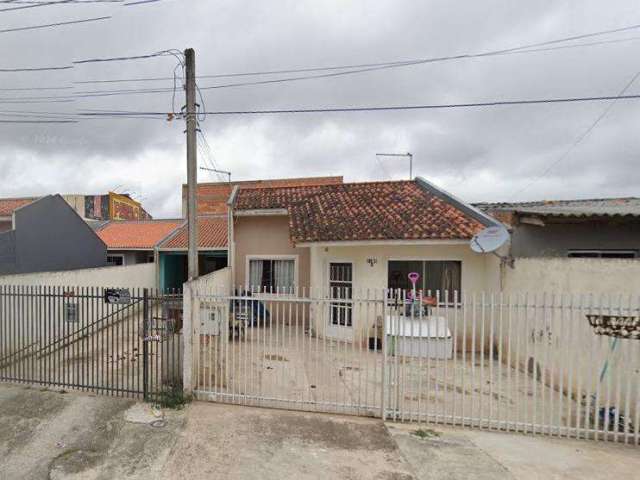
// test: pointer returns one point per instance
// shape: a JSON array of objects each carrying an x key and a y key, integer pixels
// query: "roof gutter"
[{"x": 470, "y": 210}]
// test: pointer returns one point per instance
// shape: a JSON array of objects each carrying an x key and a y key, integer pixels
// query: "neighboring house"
[
  {"x": 133, "y": 242},
  {"x": 580, "y": 246},
  {"x": 7, "y": 207},
  {"x": 600, "y": 228},
  {"x": 91, "y": 208},
  {"x": 48, "y": 235},
  {"x": 356, "y": 236},
  {"x": 212, "y": 251},
  {"x": 212, "y": 197}
]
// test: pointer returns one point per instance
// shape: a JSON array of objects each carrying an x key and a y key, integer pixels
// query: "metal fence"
[
  {"x": 122, "y": 342},
  {"x": 530, "y": 363}
]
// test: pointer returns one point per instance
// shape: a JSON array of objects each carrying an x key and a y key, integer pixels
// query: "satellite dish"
[{"x": 489, "y": 240}]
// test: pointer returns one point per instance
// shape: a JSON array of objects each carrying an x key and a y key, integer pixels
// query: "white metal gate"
[{"x": 520, "y": 362}]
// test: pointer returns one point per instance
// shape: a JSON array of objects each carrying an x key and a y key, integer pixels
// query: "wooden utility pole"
[{"x": 192, "y": 162}]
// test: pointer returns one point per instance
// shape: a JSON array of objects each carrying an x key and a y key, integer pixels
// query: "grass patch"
[
  {"x": 425, "y": 433},
  {"x": 174, "y": 399}
]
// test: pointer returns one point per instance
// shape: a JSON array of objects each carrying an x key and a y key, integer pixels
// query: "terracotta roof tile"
[
  {"x": 363, "y": 211},
  {"x": 136, "y": 234},
  {"x": 212, "y": 233},
  {"x": 212, "y": 197},
  {"x": 9, "y": 205}
]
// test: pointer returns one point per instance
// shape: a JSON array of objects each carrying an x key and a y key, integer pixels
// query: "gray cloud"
[{"x": 479, "y": 154}]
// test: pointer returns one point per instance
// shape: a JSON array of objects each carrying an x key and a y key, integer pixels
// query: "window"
[
  {"x": 115, "y": 260},
  {"x": 603, "y": 254},
  {"x": 340, "y": 287},
  {"x": 272, "y": 275},
  {"x": 435, "y": 276}
]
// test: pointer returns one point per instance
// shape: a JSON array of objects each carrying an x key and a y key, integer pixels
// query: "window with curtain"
[
  {"x": 272, "y": 275},
  {"x": 442, "y": 276}
]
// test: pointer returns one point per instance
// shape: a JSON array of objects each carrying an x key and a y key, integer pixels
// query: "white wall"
[
  {"x": 474, "y": 266},
  {"x": 479, "y": 273},
  {"x": 133, "y": 276},
  {"x": 573, "y": 275},
  {"x": 218, "y": 282}
]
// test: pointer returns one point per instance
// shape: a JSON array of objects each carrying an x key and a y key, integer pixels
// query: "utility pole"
[
  {"x": 192, "y": 162},
  {"x": 408, "y": 155}
]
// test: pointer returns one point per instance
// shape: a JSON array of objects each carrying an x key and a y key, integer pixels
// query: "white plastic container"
[{"x": 426, "y": 337}]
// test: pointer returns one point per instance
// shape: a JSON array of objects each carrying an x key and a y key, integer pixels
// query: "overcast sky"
[{"x": 491, "y": 154}]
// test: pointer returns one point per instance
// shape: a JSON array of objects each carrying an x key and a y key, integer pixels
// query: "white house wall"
[{"x": 480, "y": 273}]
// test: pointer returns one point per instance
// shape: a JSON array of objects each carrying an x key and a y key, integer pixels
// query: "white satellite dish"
[{"x": 489, "y": 240}]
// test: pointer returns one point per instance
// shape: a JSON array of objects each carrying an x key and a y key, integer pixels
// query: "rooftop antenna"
[
  {"x": 224, "y": 172},
  {"x": 408, "y": 155}
]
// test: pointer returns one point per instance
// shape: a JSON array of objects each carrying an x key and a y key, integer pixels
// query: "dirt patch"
[{"x": 73, "y": 462}]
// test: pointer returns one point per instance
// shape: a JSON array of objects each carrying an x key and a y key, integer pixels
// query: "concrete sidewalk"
[
  {"x": 446, "y": 453},
  {"x": 52, "y": 435}
]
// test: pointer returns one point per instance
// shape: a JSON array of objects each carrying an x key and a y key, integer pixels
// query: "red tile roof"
[
  {"x": 401, "y": 210},
  {"x": 136, "y": 234},
  {"x": 9, "y": 205},
  {"x": 212, "y": 233},
  {"x": 212, "y": 197}
]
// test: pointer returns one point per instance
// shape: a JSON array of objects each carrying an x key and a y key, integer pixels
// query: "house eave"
[
  {"x": 200, "y": 249},
  {"x": 267, "y": 212},
  {"x": 366, "y": 243}
]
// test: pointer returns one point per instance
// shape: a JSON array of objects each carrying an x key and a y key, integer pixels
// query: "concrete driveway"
[
  {"x": 233, "y": 442},
  {"x": 51, "y": 435}
]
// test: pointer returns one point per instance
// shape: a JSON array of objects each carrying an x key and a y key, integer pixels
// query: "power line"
[
  {"x": 120, "y": 59},
  {"x": 580, "y": 137},
  {"x": 135, "y": 91},
  {"x": 35, "y": 2},
  {"x": 140, "y": 2},
  {"x": 526, "y": 48},
  {"x": 17, "y": 89},
  {"x": 34, "y": 5},
  {"x": 58, "y": 24},
  {"x": 495, "y": 103},
  {"x": 34, "y": 69},
  {"x": 38, "y": 121}
]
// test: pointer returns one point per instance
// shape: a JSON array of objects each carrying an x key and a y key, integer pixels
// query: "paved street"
[{"x": 71, "y": 436}]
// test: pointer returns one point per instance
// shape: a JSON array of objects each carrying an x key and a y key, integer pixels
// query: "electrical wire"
[
  {"x": 38, "y": 121},
  {"x": 494, "y": 103},
  {"x": 58, "y": 24},
  {"x": 120, "y": 59},
  {"x": 528, "y": 48},
  {"x": 34, "y": 69},
  {"x": 134, "y": 91},
  {"x": 580, "y": 137},
  {"x": 35, "y": 5}
]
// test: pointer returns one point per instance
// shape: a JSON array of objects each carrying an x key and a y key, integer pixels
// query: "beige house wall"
[
  {"x": 132, "y": 276},
  {"x": 266, "y": 236},
  {"x": 480, "y": 273}
]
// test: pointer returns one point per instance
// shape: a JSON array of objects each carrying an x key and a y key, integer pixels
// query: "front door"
[{"x": 341, "y": 309}]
